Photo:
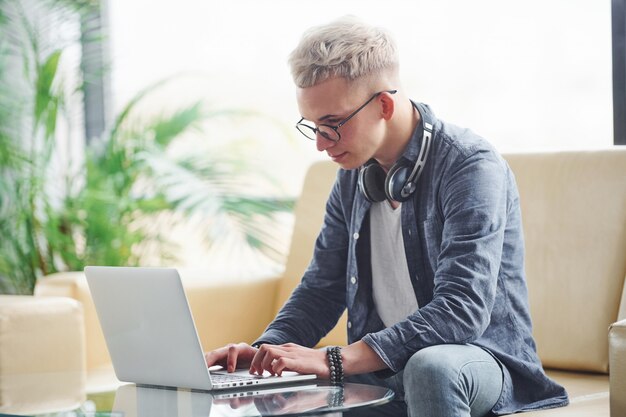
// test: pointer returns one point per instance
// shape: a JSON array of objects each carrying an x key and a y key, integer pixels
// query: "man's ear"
[{"x": 388, "y": 105}]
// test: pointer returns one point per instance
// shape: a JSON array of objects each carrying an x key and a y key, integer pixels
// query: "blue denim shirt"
[{"x": 465, "y": 252}]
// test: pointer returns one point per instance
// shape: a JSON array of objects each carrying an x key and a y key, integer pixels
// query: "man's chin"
[
  {"x": 347, "y": 166},
  {"x": 347, "y": 163}
]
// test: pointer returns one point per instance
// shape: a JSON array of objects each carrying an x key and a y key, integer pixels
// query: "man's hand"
[
  {"x": 290, "y": 357},
  {"x": 231, "y": 356},
  {"x": 357, "y": 358}
]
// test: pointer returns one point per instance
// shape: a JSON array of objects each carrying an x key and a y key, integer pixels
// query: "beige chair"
[
  {"x": 574, "y": 212},
  {"x": 42, "y": 354}
]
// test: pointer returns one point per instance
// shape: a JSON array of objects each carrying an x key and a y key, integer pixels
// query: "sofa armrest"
[
  {"x": 42, "y": 354},
  {"x": 617, "y": 368}
]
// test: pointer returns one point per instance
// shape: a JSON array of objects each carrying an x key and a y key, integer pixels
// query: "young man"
[{"x": 422, "y": 243}]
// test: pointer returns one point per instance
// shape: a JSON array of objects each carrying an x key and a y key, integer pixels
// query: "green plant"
[{"x": 135, "y": 184}]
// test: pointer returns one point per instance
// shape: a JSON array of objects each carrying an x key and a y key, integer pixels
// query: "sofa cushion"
[
  {"x": 588, "y": 395},
  {"x": 574, "y": 214}
]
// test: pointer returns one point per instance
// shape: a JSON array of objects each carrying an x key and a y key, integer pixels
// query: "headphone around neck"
[{"x": 398, "y": 184}]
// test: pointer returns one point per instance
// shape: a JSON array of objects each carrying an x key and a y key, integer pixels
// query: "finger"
[
  {"x": 210, "y": 359},
  {"x": 282, "y": 364},
  {"x": 266, "y": 363},
  {"x": 215, "y": 357},
  {"x": 263, "y": 358},
  {"x": 255, "y": 365},
  {"x": 279, "y": 401},
  {"x": 236, "y": 403},
  {"x": 271, "y": 353},
  {"x": 231, "y": 362}
]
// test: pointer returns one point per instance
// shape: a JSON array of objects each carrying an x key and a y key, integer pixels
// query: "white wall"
[{"x": 529, "y": 75}]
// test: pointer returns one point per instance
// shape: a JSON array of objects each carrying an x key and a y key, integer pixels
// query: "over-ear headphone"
[{"x": 397, "y": 184}]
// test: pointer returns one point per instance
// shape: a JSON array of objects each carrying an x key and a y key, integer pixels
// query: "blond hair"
[{"x": 345, "y": 48}]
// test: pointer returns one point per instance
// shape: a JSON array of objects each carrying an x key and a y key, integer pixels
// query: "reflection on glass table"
[
  {"x": 308, "y": 399},
  {"x": 50, "y": 395}
]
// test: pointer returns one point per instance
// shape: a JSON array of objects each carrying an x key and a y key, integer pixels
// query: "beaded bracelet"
[
  {"x": 335, "y": 365},
  {"x": 336, "y": 398}
]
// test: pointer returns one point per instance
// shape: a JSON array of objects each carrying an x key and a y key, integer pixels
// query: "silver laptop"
[{"x": 150, "y": 332}]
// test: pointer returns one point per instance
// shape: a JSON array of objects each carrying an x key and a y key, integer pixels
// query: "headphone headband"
[
  {"x": 397, "y": 184},
  {"x": 411, "y": 184}
]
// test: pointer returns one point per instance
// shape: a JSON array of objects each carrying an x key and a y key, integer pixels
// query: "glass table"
[{"x": 130, "y": 400}]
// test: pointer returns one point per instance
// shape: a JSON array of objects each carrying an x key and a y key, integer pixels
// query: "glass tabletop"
[{"x": 313, "y": 398}]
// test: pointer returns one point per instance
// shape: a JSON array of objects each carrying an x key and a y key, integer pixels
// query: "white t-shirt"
[{"x": 393, "y": 292}]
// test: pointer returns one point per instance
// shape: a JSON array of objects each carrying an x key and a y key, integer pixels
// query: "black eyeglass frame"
[{"x": 335, "y": 128}]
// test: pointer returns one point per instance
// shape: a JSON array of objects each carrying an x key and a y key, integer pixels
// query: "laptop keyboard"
[
  {"x": 234, "y": 380},
  {"x": 229, "y": 378}
]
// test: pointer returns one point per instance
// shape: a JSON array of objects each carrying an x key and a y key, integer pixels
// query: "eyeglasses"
[{"x": 332, "y": 132}]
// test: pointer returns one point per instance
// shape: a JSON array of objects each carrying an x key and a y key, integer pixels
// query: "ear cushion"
[
  {"x": 397, "y": 178},
  {"x": 372, "y": 182}
]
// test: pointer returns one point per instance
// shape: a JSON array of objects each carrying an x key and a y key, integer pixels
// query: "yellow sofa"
[{"x": 574, "y": 213}]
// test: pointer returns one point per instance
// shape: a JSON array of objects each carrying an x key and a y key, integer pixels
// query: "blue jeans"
[{"x": 441, "y": 381}]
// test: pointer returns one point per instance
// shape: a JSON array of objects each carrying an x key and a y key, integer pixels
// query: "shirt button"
[
  {"x": 409, "y": 232},
  {"x": 353, "y": 280},
  {"x": 355, "y": 236},
  {"x": 349, "y": 325}
]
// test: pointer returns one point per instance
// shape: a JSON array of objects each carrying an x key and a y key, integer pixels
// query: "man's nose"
[{"x": 322, "y": 143}]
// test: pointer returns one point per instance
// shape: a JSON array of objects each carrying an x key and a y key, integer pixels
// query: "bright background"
[
  {"x": 532, "y": 75},
  {"x": 528, "y": 76}
]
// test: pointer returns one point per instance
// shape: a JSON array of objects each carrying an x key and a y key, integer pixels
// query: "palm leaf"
[
  {"x": 45, "y": 100},
  {"x": 171, "y": 127}
]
